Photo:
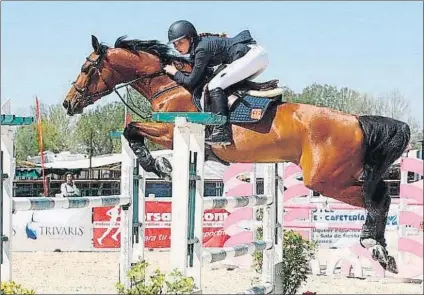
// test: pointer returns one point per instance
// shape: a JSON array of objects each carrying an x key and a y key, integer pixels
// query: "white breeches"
[{"x": 249, "y": 66}]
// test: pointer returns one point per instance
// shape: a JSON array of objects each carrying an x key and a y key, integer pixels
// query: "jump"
[{"x": 343, "y": 156}]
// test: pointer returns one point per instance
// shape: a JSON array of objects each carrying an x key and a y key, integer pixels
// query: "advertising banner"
[
  {"x": 64, "y": 229},
  {"x": 340, "y": 238}
]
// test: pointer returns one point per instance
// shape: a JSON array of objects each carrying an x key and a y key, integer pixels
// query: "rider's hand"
[{"x": 170, "y": 69}]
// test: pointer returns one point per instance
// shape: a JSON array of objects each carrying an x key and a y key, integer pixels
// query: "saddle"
[{"x": 248, "y": 101}]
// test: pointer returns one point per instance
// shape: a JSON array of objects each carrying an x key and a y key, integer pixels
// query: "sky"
[{"x": 371, "y": 47}]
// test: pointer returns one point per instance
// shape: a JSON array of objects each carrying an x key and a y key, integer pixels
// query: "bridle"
[{"x": 93, "y": 67}]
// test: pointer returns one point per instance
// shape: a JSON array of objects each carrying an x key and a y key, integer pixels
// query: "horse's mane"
[{"x": 155, "y": 47}]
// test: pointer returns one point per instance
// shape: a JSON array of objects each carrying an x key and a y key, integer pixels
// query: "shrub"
[
  {"x": 297, "y": 253},
  {"x": 14, "y": 288},
  {"x": 157, "y": 283}
]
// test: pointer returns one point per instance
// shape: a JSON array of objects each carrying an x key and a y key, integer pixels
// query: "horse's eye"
[{"x": 85, "y": 68}]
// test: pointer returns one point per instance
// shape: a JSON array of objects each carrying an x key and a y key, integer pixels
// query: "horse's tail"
[{"x": 385, "y": 140}]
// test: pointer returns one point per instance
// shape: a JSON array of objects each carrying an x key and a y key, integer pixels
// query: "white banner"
[
  {"x": 66, "y": 230},
  {"x": 340, "y": 238}
]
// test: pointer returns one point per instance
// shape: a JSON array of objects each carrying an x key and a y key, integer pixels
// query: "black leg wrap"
[
  {"x": 373, "y": 231},
  {"x": 143, "y": 155},
  {"x": 160, "y": 166},
  {"x": 377, "y": 207},
  {"x": 375, "y": 223}
]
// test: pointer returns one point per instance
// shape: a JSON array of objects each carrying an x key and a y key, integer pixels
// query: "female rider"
[{"x": 243, "y": 57}]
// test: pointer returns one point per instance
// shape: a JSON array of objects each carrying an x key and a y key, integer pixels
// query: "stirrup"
[
  {"x": 218, "y": 137},
  {"x": 211, "y": 140},
  {"x": 221, "y": 143}
]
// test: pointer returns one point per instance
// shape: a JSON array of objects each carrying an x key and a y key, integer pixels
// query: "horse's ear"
[{"x": 95, "y": 43}]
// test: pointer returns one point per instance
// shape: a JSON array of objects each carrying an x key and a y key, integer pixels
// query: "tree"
[
  {"x": 26, "y": 143},
  {"x": 61, "y": 125},
  {"x": 416, "y": 133},
  {"x": 93, "y": 129},
  {"x": 288, "y": 94},
  {"x": 395, "y": 105},
  {"x": 56, "y": 129},
  {"x": 343, "y": 99}
]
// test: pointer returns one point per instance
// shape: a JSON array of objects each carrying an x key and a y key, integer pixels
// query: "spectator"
[{"x": 68, "y": 188}]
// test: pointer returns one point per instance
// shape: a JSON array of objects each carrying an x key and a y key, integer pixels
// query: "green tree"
[
  {"x": 94, "y": 127},
  {"x": 343, "y": 99},
  {"x": 26, "y": 143},
  {"x": 288, "y": 94},
  {"x": 56, "y": 128}
]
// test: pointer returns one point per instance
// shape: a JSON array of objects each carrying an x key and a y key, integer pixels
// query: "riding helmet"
[{"x": 181, "y": 29}]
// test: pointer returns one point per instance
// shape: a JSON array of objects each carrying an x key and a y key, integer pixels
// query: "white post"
[
  {"x": 280, "y": 208},
  {"x": 278, "y": 282},
  {"x": 180, "y": 195},
  {"x": 253, "y": 182},
  {"x": 268, "y": 265},
  {"x": 197, "y": 144},
  {"x": 7, "y": 187},
  {"x": 126, "y": 253}
]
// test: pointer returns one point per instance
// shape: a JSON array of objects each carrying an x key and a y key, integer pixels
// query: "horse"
[{"x": 342, "y": 156}]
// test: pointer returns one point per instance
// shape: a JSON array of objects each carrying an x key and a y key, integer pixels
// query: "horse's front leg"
[{"x": 159, "y": 133}]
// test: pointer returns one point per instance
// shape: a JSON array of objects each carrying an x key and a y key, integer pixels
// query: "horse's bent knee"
[{"x": 131, "y": 132}]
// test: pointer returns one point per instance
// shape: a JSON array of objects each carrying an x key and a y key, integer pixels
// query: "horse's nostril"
[{"x": 65, "y": 104}]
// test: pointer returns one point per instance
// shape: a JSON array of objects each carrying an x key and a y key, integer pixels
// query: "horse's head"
[
  {"x": 96, "y": 79},
  {"x": 134, "y": 62}
]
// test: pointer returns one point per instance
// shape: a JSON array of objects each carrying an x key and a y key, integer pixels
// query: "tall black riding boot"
[{"x": 221, "y": 134}]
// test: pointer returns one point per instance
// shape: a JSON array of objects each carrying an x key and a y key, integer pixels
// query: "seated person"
[{"x": 68, "y": 188}]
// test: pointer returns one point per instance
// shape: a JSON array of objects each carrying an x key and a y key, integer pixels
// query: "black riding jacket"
[{"x": 211, "y": 51}]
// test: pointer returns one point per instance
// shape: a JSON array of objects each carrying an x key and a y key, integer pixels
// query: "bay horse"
[{"x": 342, "y": 156}]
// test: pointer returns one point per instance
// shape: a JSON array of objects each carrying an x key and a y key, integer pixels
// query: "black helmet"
[{"x": 181, "y": 29}]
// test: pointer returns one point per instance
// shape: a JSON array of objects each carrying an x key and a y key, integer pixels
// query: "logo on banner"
[
  {"x": 159, "y": 216},
  {"x": 392, "y": 220},
  {"x": 106, "y": 227},
  {"x": 34, "y": 229}
]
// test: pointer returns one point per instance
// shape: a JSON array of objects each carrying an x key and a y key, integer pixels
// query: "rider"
[{"x": 243, "y": 57}]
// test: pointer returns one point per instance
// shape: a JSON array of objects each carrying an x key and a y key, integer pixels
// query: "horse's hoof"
[
  {"x": 392, "y": 265},
  {"x": 387, "y": 262},
  {"x": 163, "y": 165},
  {"x": 167, "y": 177},
  {"x": 164, "y": 176},
  {"x": 379, "y": 253}
]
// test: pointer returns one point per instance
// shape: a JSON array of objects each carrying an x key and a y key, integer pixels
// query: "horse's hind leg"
[
  {"x": 373, "y": 231},
  {"x": 386, "y": 140},
  {"x": 135, "y": 133},
  {"x": 372, "y": 195},
  {"x": 377, "y": 204}
]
